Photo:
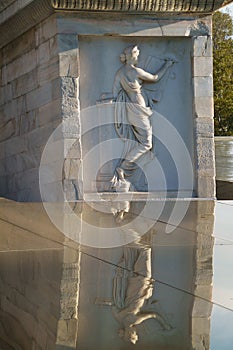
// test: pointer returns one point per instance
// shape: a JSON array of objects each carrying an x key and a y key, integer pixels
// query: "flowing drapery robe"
[{"x": 132, "y": 122}]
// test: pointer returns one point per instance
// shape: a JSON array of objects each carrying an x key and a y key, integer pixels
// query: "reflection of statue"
[
  {"x": 119, "y": 209},
  {"x": 132, "y": 283},
  {"x": 132, "y": 286},
  {"x": 132, "y": 111}
]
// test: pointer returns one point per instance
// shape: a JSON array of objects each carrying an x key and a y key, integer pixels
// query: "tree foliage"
[{"x": 223, "y": 73}]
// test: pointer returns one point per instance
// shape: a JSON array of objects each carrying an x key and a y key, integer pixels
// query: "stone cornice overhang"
[
  {"x": 141, "y": 6},
  {"x": 15, "y": 20},
  {"x": 17, "y": 16}
]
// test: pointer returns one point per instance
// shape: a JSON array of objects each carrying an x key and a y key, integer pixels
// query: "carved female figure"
[{"x": 132, "y": 112}]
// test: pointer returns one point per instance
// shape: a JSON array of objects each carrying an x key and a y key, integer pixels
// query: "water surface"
[{"x": 169, "y": 286}]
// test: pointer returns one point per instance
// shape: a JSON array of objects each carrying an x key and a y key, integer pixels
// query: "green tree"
[{"x": 223, "y": 73}]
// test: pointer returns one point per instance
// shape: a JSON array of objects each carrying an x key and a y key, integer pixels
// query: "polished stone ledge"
[{"x": 142, "y": 196}]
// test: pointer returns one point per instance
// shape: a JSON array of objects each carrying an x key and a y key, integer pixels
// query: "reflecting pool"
[
  {"x": 224, "y": 158},
  {"x": 116, "y": 274}
]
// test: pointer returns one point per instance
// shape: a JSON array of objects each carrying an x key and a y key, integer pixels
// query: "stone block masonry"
[
  {"x": 38, "y": 89},
  {"x": 26, "y": 96}
]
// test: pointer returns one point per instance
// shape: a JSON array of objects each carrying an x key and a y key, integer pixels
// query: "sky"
[{"x": 229, "y": 9}]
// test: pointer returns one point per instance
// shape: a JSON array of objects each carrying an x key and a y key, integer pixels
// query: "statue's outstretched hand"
[{"x": 169, "y": 62}]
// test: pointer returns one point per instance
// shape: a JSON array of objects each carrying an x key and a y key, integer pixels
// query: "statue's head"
[
  {"x": 129, "y": 335},
  {"x": 130, "y": 54}
]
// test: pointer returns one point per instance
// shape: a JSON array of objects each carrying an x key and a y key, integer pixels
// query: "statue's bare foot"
[
  {"x": 120, "y": 216},
  {"x": 113, "y": 182},
  {"x": 120, "y": 173}
]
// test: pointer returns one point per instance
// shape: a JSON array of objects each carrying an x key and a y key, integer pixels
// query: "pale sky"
[{"x": 229, "y": 9}]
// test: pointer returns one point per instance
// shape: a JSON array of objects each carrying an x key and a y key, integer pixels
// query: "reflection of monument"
[
  {"x": 133, "y": 304},
  {"x": 49, "y": 285},
  {"x": 133, "y": 285}
]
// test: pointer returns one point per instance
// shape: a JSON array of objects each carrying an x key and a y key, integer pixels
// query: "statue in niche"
[{"x": 132, "y": 113}]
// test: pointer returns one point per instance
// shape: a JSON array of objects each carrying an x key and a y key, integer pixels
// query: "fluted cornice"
[
  {"x": 140, "y": 6},
  {"x": 5, "y": 3},
  {"x": 17, "y": 16}
]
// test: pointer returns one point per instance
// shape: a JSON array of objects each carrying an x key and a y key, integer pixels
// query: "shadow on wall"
[{"x": 224, "y": 190}]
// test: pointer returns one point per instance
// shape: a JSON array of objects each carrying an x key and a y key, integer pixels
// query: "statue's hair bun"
[{"x": 123, "y": 57}]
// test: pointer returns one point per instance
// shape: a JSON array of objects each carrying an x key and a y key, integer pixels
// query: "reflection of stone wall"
[
  {"x": 67, "y": 328},
  {"x": 39, "y": 280},
  {"x": 203, "y": 281},
  {"x": 29, "y": 299}
]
